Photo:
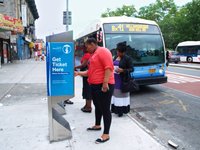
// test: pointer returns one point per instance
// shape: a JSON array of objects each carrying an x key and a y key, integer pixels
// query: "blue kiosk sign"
[{"x": 60, "y": 68}]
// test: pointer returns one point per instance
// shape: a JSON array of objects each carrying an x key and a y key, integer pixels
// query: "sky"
[{"x": 83, "y": 12}]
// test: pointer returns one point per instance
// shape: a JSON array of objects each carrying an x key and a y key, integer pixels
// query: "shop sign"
[{"x": 10, "y": 23}]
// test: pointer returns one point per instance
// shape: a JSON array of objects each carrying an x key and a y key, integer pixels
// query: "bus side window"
[{"x": 198, "y": 52}]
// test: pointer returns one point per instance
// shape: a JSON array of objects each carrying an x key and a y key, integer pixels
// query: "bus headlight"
[{"x": 161, "y": 71}]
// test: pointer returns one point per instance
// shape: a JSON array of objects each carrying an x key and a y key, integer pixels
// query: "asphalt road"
[
  {"x": 171, "y": 111},
  {"x": 193, "y": 72}
]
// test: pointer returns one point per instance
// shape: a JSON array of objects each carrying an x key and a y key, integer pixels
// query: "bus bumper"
[{"x": 152, "y": 80}]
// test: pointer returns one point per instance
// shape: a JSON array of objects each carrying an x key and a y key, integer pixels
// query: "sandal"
[
  {"x": 84, "y": 109},
  {"x": 94, "y": 129},
  {"x": 68, "y": 102},
  {"x": 101, "y": 140}
]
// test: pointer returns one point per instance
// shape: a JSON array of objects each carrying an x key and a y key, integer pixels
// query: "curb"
[{"x": 145, "y": 129}]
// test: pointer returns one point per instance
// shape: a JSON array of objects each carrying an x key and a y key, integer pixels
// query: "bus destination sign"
[{"x": 128, "y": 28}]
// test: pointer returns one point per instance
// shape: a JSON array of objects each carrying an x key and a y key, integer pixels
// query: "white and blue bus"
[
  {"x": 144, "y": 40},
  {"x": 189, "y": 51}
]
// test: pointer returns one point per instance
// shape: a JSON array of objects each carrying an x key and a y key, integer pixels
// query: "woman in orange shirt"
[{"x": 101, "y": 79}]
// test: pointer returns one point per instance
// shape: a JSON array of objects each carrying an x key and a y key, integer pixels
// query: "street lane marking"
[
  {"x": 182, "y": 105},
  {"x": 176, "y": 78},
  {"x": 180, "y": 102},
  {"x": 152, "y": 98},
  {"x": 167, "y": 102},
  {"x": 183, "y": 74}
]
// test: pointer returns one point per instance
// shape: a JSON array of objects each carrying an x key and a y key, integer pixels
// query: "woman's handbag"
[{"x": 129, "y": 86}]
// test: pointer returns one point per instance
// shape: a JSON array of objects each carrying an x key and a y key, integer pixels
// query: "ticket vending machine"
[{"x": 60, "y": 82}]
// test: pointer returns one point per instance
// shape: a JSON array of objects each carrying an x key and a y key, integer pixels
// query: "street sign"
[
  {"x": 64, "y": 17},
  {"x": 67, "y": 18},
  {"x": 60, "y": 68}
]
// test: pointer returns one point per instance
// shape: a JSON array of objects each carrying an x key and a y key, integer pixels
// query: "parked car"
[{"x": 174, "y": 57}]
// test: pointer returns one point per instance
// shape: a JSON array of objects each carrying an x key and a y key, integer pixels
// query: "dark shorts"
[{"x": 86, "y": 92}]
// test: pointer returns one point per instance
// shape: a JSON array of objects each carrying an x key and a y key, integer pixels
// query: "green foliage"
[
  {"x": 177, "y": 23},
  {"x": 124, "y": 11},
  {"x": 158, "y": 10},
  {"x": 163, "y": 12},
  {"x": 187, "y": 22},
  {"x": 192, "y": 20}
]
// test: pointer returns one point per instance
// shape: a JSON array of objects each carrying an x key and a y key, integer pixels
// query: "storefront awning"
[
  {"x": 8, "y": 23},
  {"x": 33, "y": 8}
]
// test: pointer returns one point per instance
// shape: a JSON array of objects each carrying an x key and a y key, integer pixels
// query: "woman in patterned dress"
[{"x": 123, "y": 67}]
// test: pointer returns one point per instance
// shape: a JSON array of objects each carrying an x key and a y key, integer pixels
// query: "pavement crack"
[{"x": 7, "y": 92}]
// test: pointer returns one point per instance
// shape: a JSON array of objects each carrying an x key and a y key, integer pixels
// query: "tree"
[
  {"x": 124, "y": 11},
  {"x": 163, "y": 12},
  {"x": 181, "y": 25},
  {"x": 187, "y": 23},
  {"x": 158, "y": 11},
  {"x": 177, "y": 23},
  {"x": 191, "y": 20}
]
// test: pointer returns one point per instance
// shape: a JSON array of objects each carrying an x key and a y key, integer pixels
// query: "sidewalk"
[{"x": 24, "y": 116}]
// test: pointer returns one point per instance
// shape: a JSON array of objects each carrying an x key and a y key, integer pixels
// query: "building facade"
[{"x": 17, "y": 29}]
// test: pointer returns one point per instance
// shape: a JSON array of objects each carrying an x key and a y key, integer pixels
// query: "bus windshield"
[{"x": 145, "y": 49}]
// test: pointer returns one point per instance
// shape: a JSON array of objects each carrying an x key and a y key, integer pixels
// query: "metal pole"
[{"x": 67, "y": 4}]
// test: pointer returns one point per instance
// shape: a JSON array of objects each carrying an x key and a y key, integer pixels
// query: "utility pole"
[{"x": 67, "y": 4}]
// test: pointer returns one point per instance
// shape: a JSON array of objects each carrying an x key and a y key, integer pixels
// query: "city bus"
[
  {"x": 189, "y": 51},
  {"x": 145, "y": 45}
]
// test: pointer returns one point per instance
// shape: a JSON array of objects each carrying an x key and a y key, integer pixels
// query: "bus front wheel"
[{"x": 189, "y": 59}]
